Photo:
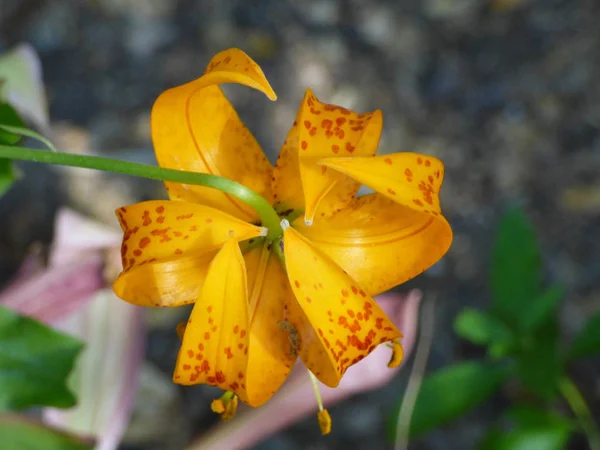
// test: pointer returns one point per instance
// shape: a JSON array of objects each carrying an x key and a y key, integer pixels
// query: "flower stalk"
[{"x": 267, "y": 214}]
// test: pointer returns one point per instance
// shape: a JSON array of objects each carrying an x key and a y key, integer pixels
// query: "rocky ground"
[{"x": 503, "y": 91}]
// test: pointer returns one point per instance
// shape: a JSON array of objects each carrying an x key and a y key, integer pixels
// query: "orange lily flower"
[{"x": 259, "y": 304}]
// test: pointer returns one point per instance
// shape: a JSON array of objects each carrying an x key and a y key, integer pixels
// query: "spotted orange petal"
[
  {"x": 410, "y": 179},
  {"x": 167, "y": 247},
  {"x": 214, "y": 349},
  {"x": 331, "y": 131},
  {"x": 348, "y": 323},
  {"x": 379, "y": 242},
  {"x": 271, "y": 355},
  {"x": 195, "y": 128}
]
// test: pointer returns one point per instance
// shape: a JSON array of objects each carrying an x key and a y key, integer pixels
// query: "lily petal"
[
  {"x": 286, "y": 175},
  {"x": 195, "y": 128},
  {"x": 167, "y": 247},
  {"x": 380, "y": 243},
  {"x": 329, "y": 131},
  {"x": 215, "y": 343},
  {"x": 410, "y": 179},
  {"x": 271, "y": 356},
  {"x": 255, "y": 424},
  {"x": 348, "y": 323}
]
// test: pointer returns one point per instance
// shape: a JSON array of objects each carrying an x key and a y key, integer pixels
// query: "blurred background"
[{"x": 505, "y": 92}]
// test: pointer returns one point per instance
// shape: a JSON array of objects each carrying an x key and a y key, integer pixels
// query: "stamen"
[
  {"x": 397, "y": 354},
  {"x": 284, "y": 224},
  {"x": 324, "y": 421},
  {"x": 323, "y": 415},
  {"x": 226, "y": 406},
  {"x": 264, "y": 231}
]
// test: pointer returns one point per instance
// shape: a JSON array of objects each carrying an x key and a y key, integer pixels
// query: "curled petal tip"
[
  {"x": 397, "y": 354},
  {"x": 180, "y": 329},
  {"x": 308, "y": 222},
  {"x": 264, "y": 231}
]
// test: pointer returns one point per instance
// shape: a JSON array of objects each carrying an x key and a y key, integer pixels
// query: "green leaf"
[
  {"x": 35, "y": 362},
  {"x": 587, "y": 342},
  {"x": 515, "y": 276},
  {"x": 7, "y": 175},
  {"x": 539, "y": 365},
  {"x": 20, "y": 434},
  {"x": 481, "y": 328},
  {"x": 8, "y": 116},
  {"x": 541, "y": 309},
  {"x": 25, "y": 132},
  {"x": 528, "y": 416},
  {"x": 529, "y": 438},
  {"x": 499, "y": 349},
  {"x": 453, "y": 391}
]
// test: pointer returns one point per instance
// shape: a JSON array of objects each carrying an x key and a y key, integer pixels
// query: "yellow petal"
[
  {"x": 286, "y": 175},
  {"x": 215, "y": 344},
  {"x": 348, "y": 322},
  {"x": 164, "y": 284},
  {"x": 331, "y": 131},
  {"x": 380, "y": 243},
  {"x": 410, "y": 179},
  {"x": 270, "y": 355},
  {"x": 195, "y": 128},
  {"x": 167, "y": 247}
]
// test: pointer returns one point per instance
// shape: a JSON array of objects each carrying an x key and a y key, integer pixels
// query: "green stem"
[
  {"x": 582, "y": 412},
  {"x": 268, "y": 216}
]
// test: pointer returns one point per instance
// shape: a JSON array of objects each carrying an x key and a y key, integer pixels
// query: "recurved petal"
[
  {"x": 167, "y": 247},
  {"x": 331, "y": 131},
  {"x": 348, "y": 323},
  {"x": 195, "y": 128},
  {"x": 214, "y": 349},
  {"x": 168, "y": 283},
  {"x": 410, "y": 179},
  {"x": 271, "y": 353},
  {"x": 380, "y": 243}
]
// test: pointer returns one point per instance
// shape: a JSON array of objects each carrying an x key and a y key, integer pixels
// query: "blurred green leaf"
[
  {"x": 7, "y": 175},
  {"x": 539, "y": 365},
  {"x": 35, "y": 362},
  {"x": 493, "y": 435},
  {"x": 453, "y": 391},
  {"x": 481, "y": 328},
  {"x": 515, "y": 276},
  {"x": 587, "y": 342},
  {"x": 527, "y": 416},
  {"x": 8, "y": 116},
  {"x": 17, "y": 433},
  {"x": 541, "y": 309},
  {"x": 528, "y": 438},
  {"x": 499, "y": 349}
]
